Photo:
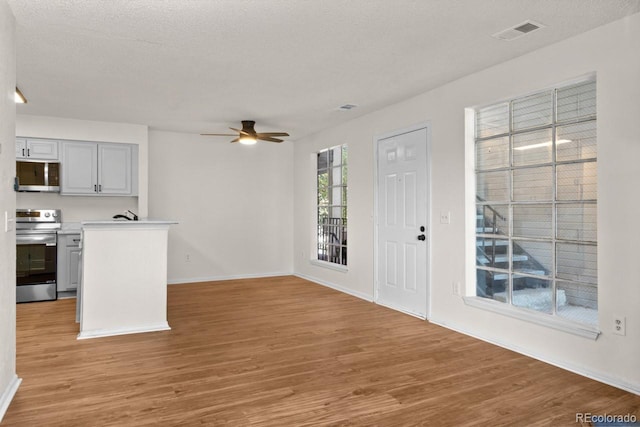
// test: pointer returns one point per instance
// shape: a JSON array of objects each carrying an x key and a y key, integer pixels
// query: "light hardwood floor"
[{"x": 286, "y": 352}]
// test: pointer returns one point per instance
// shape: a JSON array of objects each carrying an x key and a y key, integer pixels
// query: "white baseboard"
[
  {"x": 580, "y": 370},
  {"x": 231, "y": 277},
  {"x": 98, "y": 333},
  {"x": 351, "y": 292},
  {"x": 7, "y": 395}
]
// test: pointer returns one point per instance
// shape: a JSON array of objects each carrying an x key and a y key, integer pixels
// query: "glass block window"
[
  {"x": 536, "y": 202},
  {"x": 332, "y": 205}
]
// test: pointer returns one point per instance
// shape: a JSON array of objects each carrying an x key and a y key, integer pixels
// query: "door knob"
[
  {"x": 422, "y": 237},
  {"x": 422, "y": 228}
]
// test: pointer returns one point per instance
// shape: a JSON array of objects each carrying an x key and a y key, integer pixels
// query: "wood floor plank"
[{"x": 285, "y": 352}]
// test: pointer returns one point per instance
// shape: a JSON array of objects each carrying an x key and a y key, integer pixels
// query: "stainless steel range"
[{"x": 36, "y": 254}]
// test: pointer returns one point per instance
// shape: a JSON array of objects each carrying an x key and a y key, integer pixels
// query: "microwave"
[{"x": 39, "y": 176}]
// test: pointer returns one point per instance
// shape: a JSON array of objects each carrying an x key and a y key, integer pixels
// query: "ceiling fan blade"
[
  {"x": 273, "y": 134},
  {"x": 240, "y": 131},
  {"x": 267, "y": 138},
  {"x": 248, "y": 130}
]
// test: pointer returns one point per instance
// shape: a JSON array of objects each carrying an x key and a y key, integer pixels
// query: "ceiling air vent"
[
  {"x": 518, "y": 31},
  {"x": 347, "y": 107}
]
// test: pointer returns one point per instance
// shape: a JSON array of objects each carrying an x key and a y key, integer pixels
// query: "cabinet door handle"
[
  {"x": 95, "y": 188},
  {"x": 100, "y": 188},
  {"x": 76, "y": 240},
  {"x": 28, "y": 152},
  {"x": 23, "y": 152}
]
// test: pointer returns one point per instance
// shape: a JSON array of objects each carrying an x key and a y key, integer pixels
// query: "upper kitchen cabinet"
[
  {"x": 79, "y": 168},
  {"x": 36, "y": 149},
  {"x": 91, "y": 168},
  {"x": 114, "y": 168}
]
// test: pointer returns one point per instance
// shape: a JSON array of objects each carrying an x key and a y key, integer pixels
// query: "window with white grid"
[
  {"x": 332, "y": 205},
  {"x": 536, "y": 202}
]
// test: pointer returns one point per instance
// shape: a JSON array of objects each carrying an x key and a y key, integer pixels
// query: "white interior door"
[{"x": 402, "y": 212}]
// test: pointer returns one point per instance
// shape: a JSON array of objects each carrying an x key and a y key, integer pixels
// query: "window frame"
[
  {"x": 338, "y": 260},
  {"x": 507, "y": 307}
]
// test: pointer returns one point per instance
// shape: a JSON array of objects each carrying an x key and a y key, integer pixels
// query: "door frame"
[{"x": 376, "y": 196}]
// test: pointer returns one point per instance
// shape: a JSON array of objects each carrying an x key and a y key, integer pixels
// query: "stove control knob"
[
  {"x": 46, "y": 214},
  {"x": 53, "y": 214}
]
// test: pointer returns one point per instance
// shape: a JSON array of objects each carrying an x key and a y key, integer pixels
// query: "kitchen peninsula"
[{"x": 123, "y": 289}]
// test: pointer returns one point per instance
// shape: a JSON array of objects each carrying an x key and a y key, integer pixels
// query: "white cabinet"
[
  {"x": 91, "y": 168},
  {"x": 79, "y": 168},
  {"x": 114, "y": 169},
  {"x": 68, "y": 262},
  {"x": 36, "y": 149}
]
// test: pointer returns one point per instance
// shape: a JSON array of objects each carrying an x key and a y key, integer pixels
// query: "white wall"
[
  {"x": 610, "y": 51},
  {"x": 233, "y": 203},
  {"x": 359, "y": 278},
  {"x": 8, "y": 379},
  {"x": 78, "y": 208}
]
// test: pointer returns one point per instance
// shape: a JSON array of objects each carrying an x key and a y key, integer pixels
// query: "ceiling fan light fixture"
[
  {"x": 19, "y": 97},
  {"x": 248, "y": 135},
  {"x": 247, "y": 140}
]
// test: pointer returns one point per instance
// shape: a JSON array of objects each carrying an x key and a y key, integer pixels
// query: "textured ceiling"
[{"x": 203, "y": 65}]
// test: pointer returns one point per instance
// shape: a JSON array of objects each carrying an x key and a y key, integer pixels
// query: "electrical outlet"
[
  {"x": 619, "y": 325},
  {"x": 187, "y": 258},
  {"x": 455, "y": 287}
]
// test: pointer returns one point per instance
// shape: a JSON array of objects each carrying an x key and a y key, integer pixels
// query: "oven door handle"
[{"x": 36, "y": 239}]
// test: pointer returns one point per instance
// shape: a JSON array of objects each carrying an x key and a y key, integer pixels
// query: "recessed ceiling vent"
[
  {"x": 518, "y": 31},
  {"x": 347, "y": 107}
]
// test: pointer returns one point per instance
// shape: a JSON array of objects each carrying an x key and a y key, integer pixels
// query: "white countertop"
[
  {"x": 126, "y": 223},
  {"x": 76, "y": 227}
]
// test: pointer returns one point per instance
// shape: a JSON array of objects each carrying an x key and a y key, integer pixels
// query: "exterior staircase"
[{"x": 492, "y": 251}]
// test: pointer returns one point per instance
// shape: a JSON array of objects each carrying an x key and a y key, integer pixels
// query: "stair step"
[
  {"x": 489, "y": 243},
  {"x": 486, "y": 230},
  {"x": 505, "y": 276},
  {"x": 504, "y": 258},
  {"x": 531, "y": 271}
]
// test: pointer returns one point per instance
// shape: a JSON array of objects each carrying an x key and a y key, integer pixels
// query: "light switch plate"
[{"x": 8, "y": 222}]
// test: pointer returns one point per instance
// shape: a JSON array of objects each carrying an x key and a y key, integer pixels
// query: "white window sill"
[
  {"x": 537, "y": 318},
  {"x": 329, "y": 265}
]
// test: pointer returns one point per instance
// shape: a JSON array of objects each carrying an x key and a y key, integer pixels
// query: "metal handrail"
[
  {"x": 495, "y": 212},
  {"x": 491, "y": 254}
]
